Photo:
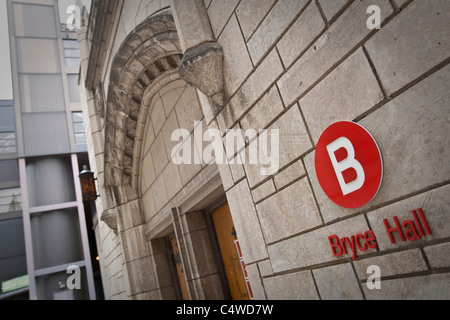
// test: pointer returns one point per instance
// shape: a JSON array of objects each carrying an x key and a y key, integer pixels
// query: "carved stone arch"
[{"x": 148, "y": 53}]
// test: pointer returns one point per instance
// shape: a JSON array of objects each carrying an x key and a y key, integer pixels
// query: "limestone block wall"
[
  {"x": 300, "y": 66},
  {"x": 111, "y": 246}
]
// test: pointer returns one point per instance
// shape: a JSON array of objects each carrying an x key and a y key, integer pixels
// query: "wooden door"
[
  {"x": 226, "y": 237},
  {"x": 180, "y": 270}
]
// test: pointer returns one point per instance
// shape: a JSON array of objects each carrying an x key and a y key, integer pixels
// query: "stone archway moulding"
[
  {"x": 148, "y": 54},
  {"x": 148, "y": 57}
]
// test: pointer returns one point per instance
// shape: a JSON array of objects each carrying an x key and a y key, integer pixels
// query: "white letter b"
[{"x": 349, "y": 162}]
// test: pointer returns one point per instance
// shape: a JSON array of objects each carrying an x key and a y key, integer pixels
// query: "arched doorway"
[{"x": 161, "y": 208}]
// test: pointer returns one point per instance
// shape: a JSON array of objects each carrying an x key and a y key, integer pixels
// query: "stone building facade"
[{"x": 153, "y": 66}]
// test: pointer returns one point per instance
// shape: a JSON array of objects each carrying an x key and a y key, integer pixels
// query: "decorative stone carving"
[
  {"x": 202, "y": 67},
  {"x": 110, "y": 218},
  {"x": 149, "y": 52},
  {"x": 100, "y": 99}
]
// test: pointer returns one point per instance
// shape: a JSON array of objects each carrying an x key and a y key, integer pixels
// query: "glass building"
[{"x": 45, "y": 228}]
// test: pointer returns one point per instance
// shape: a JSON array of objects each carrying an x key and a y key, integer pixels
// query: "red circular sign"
[{"x": 348, "y": 164}]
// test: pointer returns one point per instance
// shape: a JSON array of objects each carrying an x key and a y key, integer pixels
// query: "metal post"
[{"x": 27, "y": 229}]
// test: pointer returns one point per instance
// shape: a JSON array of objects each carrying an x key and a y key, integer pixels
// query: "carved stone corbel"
[
  {"x": 202, "y": 67},
  {"x": 110, "y": 218},
  {"x": 202, "y": 64}
]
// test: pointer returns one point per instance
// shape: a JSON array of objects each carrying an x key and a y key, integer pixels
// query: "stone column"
[{"x": 202, "y": 64}]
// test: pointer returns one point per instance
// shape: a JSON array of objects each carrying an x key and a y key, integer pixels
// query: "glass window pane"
[
  {"x": 10, "y": 201},
  {"x": 50, "y": 181},
  {"x": 71, "y": 53},
  {"x": 70, "y": 44},
  {"x": 42, "y": 93},
  {"x": 80, "y": 138},
  {"x": 47, "y": 287},
  {"x": 10, "y": 171},
  {"x": 77, "y": 117},
  {"x": 45, "y": 133},
  {"x": 78, "y": 127},
  {"x": 34, "y": 20},
  {"x": 7, "y": 119},
  {"x": 7, "y": 143},
  {"x": 12, "y": 251},
  {"x": 56, "y": 238},
  {"x": 8, "y": 150},
  {"x": 72, "y": 62},
  {"x": 38, "y": 55},
  {"x": 8, "y": 139}
]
